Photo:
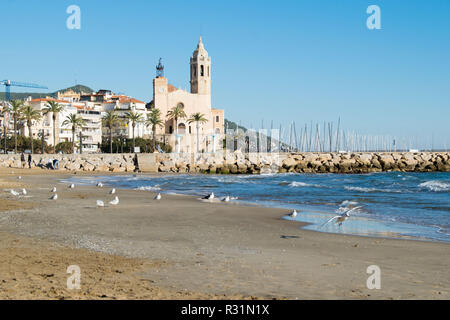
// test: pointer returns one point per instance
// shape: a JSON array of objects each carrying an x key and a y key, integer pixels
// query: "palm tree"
[
  {"x": 16, "y": 106},
  {"x": 28, "y": 113},
  {"x": 76, "y": 122},
  {"x": 197, "y": 118},
  {"x": 55, "y": 108},
  {"x": 109, "y": 120},
  {"x": 176, "y": 113},
  {"x": 134, "y": 118},
  {"x": 154, "y": 119}
]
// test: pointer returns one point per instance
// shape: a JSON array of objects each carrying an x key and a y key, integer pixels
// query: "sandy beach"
[{"x": 181, "y": 247}]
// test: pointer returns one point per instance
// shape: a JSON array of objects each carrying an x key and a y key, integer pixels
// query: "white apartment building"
[
  {"x": 91, "y": 108},
  {"x": 91, "y": 130},
  {"x": 105, "y": 100}
]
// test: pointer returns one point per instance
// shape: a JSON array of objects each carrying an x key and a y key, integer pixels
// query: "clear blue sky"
[{"x": 282, "y": 60}]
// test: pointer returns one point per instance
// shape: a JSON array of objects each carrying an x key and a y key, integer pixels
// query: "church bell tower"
[{"x": 200, "y": 71}]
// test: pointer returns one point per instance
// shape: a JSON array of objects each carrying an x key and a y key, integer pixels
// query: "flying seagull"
[
  {"x": 226, "y": 199},
  {"x": 54, "y": 197},
  {"x": 209, "y": 196},
  {"x": 53, "y": 189},
  {"x": 158, "y": 196},
  {"x": 14, "y": 193},
  {"x": 115, "y": 201},
  {"x": 112, "y": 191},
  {"x": 100, "y": 203},
  {"x": 342, "y": 217},
  {"x": 293, "y": 214}
]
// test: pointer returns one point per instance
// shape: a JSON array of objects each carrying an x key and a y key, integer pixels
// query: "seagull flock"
[
  {"x": 211, "y": 196},
  {"x": 54, "y": 196},
  {"x": 115, "y": 201}
]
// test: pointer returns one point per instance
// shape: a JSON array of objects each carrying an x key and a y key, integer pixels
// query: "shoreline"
[
  {"x": 221, "y": 250},
  {"x": 393, "y": 230}
]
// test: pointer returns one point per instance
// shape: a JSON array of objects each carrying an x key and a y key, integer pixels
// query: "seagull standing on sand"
[
  {"x": 72, "y": 186},
  {"x": 53, "y": 190},
  {"x": 99, "y": 184},
  {"x": 226, "y": 199},
  {"x": 24, "y": 191},
  {"x": 100, "y": 203},
  {"x": 209, "y": 196},
  {"x": 342, "y": 217},
  {"x": 158, "y": 196},
  {"x": 54, "y": 197},
  {"x": 293, "y": 214},
  {"x": 115, "y": 201},
  {"x": 14, "y": 193},
  {"x": 112, "y": 191},
  {"x": 19, "y": 177}
]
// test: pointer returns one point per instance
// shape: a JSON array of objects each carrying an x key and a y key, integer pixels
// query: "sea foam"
[{"x": 435, "y": 185}]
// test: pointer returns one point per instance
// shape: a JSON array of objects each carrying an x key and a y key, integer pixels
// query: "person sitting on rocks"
[
  {"x": 50, "y": 164},
  {"x": 55, "y": 164}
]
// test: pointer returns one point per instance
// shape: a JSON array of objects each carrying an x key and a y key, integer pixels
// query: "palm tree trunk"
[
  {"x": 197, "y": 137},
  {"x": 134, "y": 144},
  {"x": 110, "y": 139},
  {"x": 31, "y": 137},
  {"x": 176, "y": 135},
  {"x": 73, "y": 139},
  {"x": 15, "y": 133},
  {"x": 54, "y": 134},
  {"x": 154, "y": 138},
  {"x": 5, "y": 131}
]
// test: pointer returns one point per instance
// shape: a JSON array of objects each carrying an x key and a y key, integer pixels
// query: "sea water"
[{"x": 393, "y": 204}]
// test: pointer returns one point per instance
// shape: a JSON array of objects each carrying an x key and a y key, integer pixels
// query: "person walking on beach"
[
  {"x": 29, "y": 161},
  {"x": 22, "y": 159}
]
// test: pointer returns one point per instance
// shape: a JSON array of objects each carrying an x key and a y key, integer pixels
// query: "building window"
[
  {"x": 202, "y": 70},
  {"x": 190, "y": 130},
  {"x": 170, "y": 129},
  {"x": 217, "y": 118}
]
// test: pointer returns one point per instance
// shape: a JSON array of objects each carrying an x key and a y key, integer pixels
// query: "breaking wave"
[
  {"x": 149, "y": 188},
  {"x": 436, "y": 186}
]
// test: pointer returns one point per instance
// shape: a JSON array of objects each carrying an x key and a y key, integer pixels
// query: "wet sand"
[{"x": 182, "y": 247}]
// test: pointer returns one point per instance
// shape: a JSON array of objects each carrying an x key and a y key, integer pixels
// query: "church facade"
[{"x": 198, "y": 100}]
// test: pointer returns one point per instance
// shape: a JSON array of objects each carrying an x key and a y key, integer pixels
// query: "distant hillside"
[
  {"x": 78, "y": 89},
  {"x": 23, "y": 95},
  {"x": 233, "y": 125}
]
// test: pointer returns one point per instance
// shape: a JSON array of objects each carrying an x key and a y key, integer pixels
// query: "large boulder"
[{"x": 387, "y": 162}]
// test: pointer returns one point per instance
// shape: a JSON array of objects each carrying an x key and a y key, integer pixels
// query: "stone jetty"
[{"x": 243, "y": 163}]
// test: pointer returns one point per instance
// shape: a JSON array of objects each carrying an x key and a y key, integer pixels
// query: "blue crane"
[{"x": 9, "y": 83}]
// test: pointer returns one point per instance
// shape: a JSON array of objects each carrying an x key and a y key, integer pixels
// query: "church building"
[{"x": 166, "y": 97}]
